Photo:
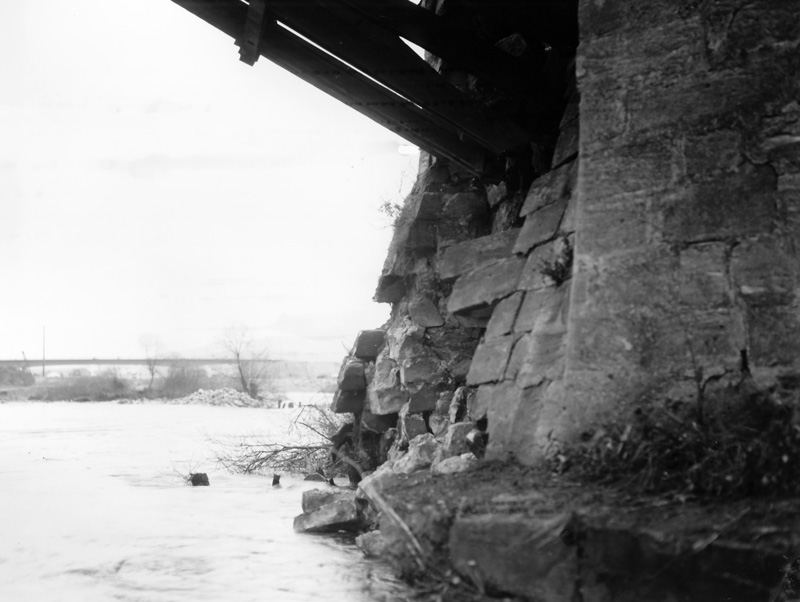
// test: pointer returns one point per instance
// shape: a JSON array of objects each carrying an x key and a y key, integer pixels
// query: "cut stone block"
[
  {"x": 422, "y": 397},
  {"x": 419, "y": 370},
  {"x": 385, "y": 393},
  {"x": 411, "y": 425},
  {"x": 544, "y": 262},
  {"x": 764, "y": 273},
  {"x": 568, "y": 142},
  {"x": 340, "y": 515},
  {"x": 348, "y": 402},
  {"x": 553, "y": 186},
  {"x": 424, "y": 312},
  {"x": 368, "y": 344},
  {"x": 503, "y": 316},
  {"x": 485, "y": 286},
  {"x": 480, "y": 403},
  {"x": 467, "y": 205},
  {"x": 742, "y": 204},
  {"x": 470, "y": 255},
  {"x": 540, "y": 226},
  {"x": 544, "y": 310},
  {"x": 490, "y": 360},
  {"x": 704, "y": 275},
  {"x": 351, "y": 375}
]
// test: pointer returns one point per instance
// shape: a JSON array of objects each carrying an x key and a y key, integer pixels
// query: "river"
[{"x": 93, "y": 508}]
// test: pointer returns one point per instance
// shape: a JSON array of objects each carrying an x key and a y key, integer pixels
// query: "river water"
[{"x": 93, "y": 508}]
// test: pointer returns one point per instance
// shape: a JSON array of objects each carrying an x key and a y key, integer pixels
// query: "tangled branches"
[
  {"x": 259, "y": 457},
  {"x": 305, "y": 447}
]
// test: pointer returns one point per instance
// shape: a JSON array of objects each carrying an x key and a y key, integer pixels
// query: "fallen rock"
[
  {"x": 421, "y": 451},
  {"x": 314, "y": 499},
  {"x": 455, "y": 440},
  {"x": 379, "y": 480},
  {"x": 454, "y": 464},
  {"x": 339, "y": 515},
  {"x": 371, "y": 544}
]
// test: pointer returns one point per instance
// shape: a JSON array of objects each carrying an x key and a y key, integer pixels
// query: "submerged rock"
[
  {"x": 371, "y": 544},
  {"x": 198, "y": 478}
]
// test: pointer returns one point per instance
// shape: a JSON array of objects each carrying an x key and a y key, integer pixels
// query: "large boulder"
[
  {"x": 314, "y": 499},
  {"x": 338, "y": 515}
]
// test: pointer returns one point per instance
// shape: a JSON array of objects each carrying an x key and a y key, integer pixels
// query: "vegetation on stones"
[
  {"x": 740, "y": 441},
  {"x": 559, "y": 270}
]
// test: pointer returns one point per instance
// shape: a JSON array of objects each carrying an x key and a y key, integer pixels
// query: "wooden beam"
[
  {"x": 342, "y": 82},
  {"x": 383, "y": 56},
  {"x": 256, "y": 15},
  {"x": 460, "y": 49}
]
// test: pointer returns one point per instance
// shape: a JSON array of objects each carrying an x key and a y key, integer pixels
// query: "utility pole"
[{"x": 43, "y": 356}]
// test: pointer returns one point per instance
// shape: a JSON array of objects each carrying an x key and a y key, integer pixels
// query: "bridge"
[{"x": 127, "y": 362}]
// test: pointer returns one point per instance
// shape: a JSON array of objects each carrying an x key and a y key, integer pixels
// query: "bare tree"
[
  {"x": 249, "y": 360},
  {"x": 153, "y": 353}
]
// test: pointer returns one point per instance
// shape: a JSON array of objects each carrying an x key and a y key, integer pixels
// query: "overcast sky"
[{"x": 152, "y": 184}]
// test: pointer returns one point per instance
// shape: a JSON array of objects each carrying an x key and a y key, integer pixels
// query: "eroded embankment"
[{"x": 508, "y": 531}]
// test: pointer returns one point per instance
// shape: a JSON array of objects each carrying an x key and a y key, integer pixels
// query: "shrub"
[
  {"x": 181, "y": 381},
  {"x": 15, "y": 377},
  {"x": 103, "y": 387},
  {"x": 744, "y": 443}
]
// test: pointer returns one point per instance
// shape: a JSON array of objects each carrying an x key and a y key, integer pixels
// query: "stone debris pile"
[{"x": 226, "y": 397}]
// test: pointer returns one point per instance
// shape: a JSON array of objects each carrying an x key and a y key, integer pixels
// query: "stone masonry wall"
[
  {"x": 650, "y": 249},
  {"x": 686, "y": 253}
]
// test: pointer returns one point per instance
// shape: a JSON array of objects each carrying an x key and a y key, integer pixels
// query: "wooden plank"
[
  {"x": 462, "y": 50},
  {"x": 343, "y": 83},
  {"x": 256, "y": 15},
  {"x": 365, "y": 96},
  {"x": 383, "y": 56}
]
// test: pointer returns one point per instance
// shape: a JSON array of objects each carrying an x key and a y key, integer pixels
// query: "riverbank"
[{"x": 506, "y": 530}]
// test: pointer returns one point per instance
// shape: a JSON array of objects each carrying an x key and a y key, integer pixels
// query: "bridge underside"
[{"x": 466, "y": 110}]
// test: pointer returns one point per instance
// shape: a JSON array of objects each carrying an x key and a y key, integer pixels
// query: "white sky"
[{"x": 152, "y": 184}]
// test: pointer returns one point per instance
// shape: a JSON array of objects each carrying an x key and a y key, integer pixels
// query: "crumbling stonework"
[{"x": 646, "y": 243}]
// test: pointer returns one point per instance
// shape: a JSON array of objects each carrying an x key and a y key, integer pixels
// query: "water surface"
[{"x": 93, "y": 507}]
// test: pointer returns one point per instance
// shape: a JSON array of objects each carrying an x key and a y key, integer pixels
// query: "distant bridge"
[{"x": 126, "y": 362}]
